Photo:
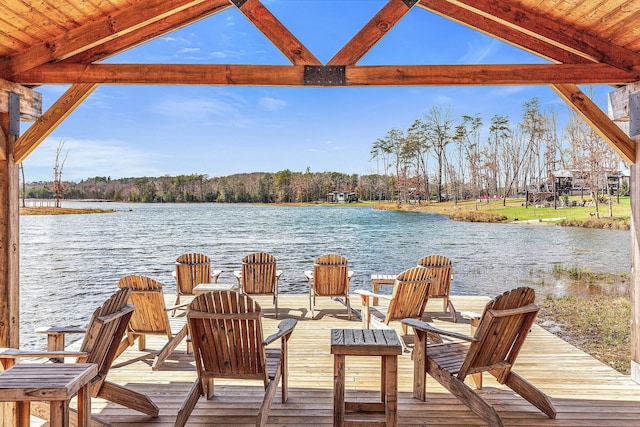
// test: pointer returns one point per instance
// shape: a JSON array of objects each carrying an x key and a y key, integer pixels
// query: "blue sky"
[{"x": 133, "y": 131}]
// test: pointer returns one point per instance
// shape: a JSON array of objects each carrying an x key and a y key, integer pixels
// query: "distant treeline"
[{"x": 258, "y": 187}]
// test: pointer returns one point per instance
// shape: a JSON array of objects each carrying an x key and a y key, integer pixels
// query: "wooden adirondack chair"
[
  {"x": 408, "y": 300},
  {"x": 103, "y": 335},
  {"x": 226, "y": 329},
  {"x": 259, "y": 276},
  {"x": 151, "y": 317},
  {"x": 191, "y": 270},
  {"x": 330, "y": 278},
  {"x": 441, "y": 284},
  {"x": 502, "y": 330}
]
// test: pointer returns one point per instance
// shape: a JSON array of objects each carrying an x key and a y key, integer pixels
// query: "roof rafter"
[
  {"x": 276, "y": 32},
  {"x": 372, "y": 32},
  {"x": 598, "y": 120},
  {"x": 148, "y": 32},
  {"x": 293, "y": 75},
  {"x": 501, "y": 31},
  {"x": 42, "y": 127},
  {"x": 555, "y": 32},
  {"x": 91, "y": 34}
]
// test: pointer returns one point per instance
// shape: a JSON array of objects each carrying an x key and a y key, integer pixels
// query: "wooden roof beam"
[
  {"x": 598, "y": 120},
  {"x": 293, "y": 75},
  {"x": 501, "y": 31},
  {"x": 372, "y": 32},
  {"x": 28, "y": 141},
  {"x": 149, "y": 32},
  {"x": 555, "y": 32},
  {"x": 30, "y": 100},
  {"x": 91, "y": 34},
  {"x": 276, "y": 32}
]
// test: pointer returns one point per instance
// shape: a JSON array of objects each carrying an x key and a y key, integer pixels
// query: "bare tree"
[
  {"x": 440, "y": 132},
  {"x": 58, "y": 189}
]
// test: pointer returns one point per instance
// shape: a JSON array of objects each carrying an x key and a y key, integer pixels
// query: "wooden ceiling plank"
[
  {"x": 272, "y": 75},
  {"x": 276, "y": 32},
  {"x": 624, "y": 32},
  {"x": 502, "y": 32},
  {"x": 371, "y": 33},
  {"x": 151, "y": 31},
  {"x": 91, "y": 34},
  {"x": 30, "y": 100},
  {"x": 555, "y": 31},
  {"x": 39, "y": 130},
  {"x": 609, "y": 13},
  {"x": 598, "y": 120},
  {"x": 38, "y": 21}
]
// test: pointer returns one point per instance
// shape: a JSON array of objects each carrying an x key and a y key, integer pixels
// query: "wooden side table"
[
  {"x": 366, "y": 342},
  {"x": 210, "y": 287},
  {"x": 55, "y": 383}
]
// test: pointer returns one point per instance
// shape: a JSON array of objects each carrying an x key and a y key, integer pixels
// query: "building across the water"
[{"x": 342, "y": 197}]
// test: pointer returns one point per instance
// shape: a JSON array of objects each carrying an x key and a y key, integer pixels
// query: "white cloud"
[
  {"x": 477, "y": 53},
  {"x": 90, "y": 157},
  {"x": 194, "y": 109},
  {"x": 271, "y": 104}
]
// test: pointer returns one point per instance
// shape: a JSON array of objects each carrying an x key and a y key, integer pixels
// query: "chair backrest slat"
[
  {"x": 226, "y": 346},
  {"x": 504, "y": 325},
  {"x": 443, "y": 269},
  {"x": 331, "y": 275},
  {"x": 191, "y": 270},
  {"x": 259, "y": 274},
  {"x": 410, "y": 294},
  {"x": 105, "y": 331},
  {"x": 150, "y": 316}
]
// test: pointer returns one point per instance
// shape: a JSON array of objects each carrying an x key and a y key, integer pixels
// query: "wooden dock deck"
[{"x": 584, "y": 391}]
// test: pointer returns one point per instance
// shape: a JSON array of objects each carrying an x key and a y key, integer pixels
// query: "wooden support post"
[
  {"x": 635, "y": 266},
  {"x": 9, "y": 234},
  {"x": 624, "y": 110}
]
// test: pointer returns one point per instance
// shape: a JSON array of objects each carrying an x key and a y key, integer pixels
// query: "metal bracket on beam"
[
  {"x": 14, "y": 114},
  {"x": 239, "y": 3},
  {"x": 409, "y": 3},
  {"x": 634, "y": 114},
  {"x": 321, "y": 75}
]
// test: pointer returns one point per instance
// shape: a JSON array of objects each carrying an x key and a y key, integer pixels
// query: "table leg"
[
  {"x": 391, "y": 385},
  {"x": 23, "y": 414},
  {"x": 59, "y": 413},
  {"x": 84, "y": 406},
  {"x": 383, "y": 378},
  {"x": 376, "y": 290},
  {"x": 338, "y": 390}
]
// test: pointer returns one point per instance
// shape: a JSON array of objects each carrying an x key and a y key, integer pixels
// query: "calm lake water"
[{"x": 71, "y": 263}]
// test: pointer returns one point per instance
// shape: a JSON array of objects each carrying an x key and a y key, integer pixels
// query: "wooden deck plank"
[{"x": 583, "y": 390}]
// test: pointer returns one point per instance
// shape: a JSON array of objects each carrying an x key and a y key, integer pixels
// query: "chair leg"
[
  {"x": 452, "y": 311},
  {"x": 348, "y": 307},
  {"x": 531, "y": 393},
  {"x": 168, "y": 348},
  {"x": 41, "y": 410},
  {"x": 173, "y": 313},
  {"x": 270, "y": 392},
  {"x": 126, "y": 397},
  {"x": 188, "y": 404},
  {"x": 467, "y": 396}
]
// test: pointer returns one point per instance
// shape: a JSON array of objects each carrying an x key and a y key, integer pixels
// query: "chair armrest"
[
  {"x": 173, "y": 273},
  {"x": 370, "y": 294},
  {"x": 215, "y": 274},
  {"x": 57, "y": 330},
  {"x": 175, "y": 307},
  {"x": 14, "y": 353},
  {"x": 237, "y": 274},
  {"x": 278, "y": 274},
  {"x": 349, "y": 274},
  {"x": 309, "y": 275},
  {"x": 425, "y": 327},
  {"x": 284, "y": 329},
  {"x": 472, "y": 315}
]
